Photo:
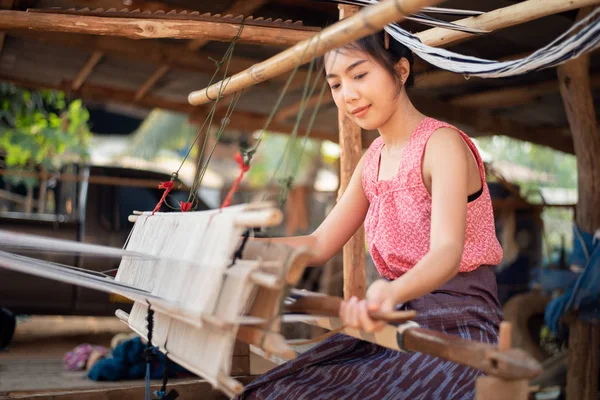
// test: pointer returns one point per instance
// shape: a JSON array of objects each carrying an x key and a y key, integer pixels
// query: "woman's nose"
[{"x": 350, "y": 93}]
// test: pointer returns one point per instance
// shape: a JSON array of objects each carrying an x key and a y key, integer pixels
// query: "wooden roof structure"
[{"x": 125, "y": 51}]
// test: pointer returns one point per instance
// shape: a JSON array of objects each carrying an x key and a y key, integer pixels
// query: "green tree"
[{"x": 40, "y": 130}]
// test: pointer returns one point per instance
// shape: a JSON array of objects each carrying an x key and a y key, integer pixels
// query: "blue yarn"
[
  {"x": 584, "y": 295},
  {"x": 128, "y": 362}
]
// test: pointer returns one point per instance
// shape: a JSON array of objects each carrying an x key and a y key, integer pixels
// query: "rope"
[
  {"x": 149, "y": 351},
  {"x": 243, "y": 157},
  {"x": 287, "y": 182},
  {"x": 239, "y": 253},
  {"x": 168, "y": 186},
  {"x": 162, "y": 393},
  {"x": 244, "y": 167}
]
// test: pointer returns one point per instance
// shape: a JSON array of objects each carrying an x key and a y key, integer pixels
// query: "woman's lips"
[{"x": 361, "y": 111}]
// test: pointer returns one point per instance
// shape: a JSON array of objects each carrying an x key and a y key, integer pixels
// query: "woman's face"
[{"x": 361, "y": 88}]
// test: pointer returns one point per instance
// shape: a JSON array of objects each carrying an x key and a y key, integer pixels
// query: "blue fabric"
[
  {"x": 554, "y": 279},
  {"x": 128, "y": 362},
  {"x": 584, "y": 295}
]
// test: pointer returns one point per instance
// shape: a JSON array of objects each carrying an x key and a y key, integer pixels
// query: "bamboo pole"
[
  {"x": 369, "y": 20},
  {"x": 501, "y": 18}
]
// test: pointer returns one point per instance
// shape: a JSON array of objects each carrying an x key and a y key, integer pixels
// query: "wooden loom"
[{"x": 204, "y": 299}]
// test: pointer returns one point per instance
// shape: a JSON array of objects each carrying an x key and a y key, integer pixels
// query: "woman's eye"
[
  {"x": 360, "y": 76},
  {"x": 335, "y": 86}
]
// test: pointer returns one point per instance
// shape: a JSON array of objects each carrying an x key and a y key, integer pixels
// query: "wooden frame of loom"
[{"x": 242, "y": 299}]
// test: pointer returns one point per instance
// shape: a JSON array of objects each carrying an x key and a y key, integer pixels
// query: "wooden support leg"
[
  {"x": 575, "y": 89},
  {"x": 494, "y": 388},
  {"x": 355, "y": 270},
  {"x": 583, "y": 361}
]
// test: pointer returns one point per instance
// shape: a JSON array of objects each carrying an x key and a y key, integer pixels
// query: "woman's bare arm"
[{"x": 339, "y": 225}]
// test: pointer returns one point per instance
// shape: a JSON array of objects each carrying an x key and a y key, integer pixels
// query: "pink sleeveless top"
[{"x": 398, "y": 222}]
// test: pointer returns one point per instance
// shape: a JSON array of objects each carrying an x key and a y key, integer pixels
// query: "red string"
[
  {"x": 167, "y": 186},
  {"x": 243, "y": 169},
  {"x": 185, "y": 205}
]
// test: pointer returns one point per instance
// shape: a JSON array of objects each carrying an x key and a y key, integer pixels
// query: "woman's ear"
[{"x": 403, "y": 69}]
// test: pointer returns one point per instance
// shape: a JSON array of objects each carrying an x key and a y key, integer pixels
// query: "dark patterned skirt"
[{"x": 343, "y": 367}]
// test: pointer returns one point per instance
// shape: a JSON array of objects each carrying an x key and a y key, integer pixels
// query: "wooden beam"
[
  {"x": 137, "y": 28},
  {"x": 440, "y": 78},
  {"x": 584, "y": 338},
  {"x": 501, "y": 18},
  {"x": 354, "y": 257},
  {"x": 87, "y": 69},
  {"x": 241, "y": 120},
  {"x": 482, "y": 123},
  {"x": 512, "y": 96}
]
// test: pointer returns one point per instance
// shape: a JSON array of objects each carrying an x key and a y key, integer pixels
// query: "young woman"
[{"x": 420, "y": 191}]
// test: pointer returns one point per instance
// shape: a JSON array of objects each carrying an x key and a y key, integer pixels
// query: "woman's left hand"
[{"x": 354, "y": 313}]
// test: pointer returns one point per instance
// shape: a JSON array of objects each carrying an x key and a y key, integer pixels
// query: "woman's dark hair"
[{"x": 374, "y": 46}]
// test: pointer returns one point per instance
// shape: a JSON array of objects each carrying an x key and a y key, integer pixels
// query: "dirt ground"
[
  {"x": 33, "y": 367},
  {"x": 34, "y": 360}
]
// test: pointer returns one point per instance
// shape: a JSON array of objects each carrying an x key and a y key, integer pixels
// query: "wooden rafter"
[
  {"x": 482, "y": 123},
  {"x": 4, "y": 5},
  {"x": 512, "y": 96},
  {"x": 440, "y": 78},
  {"x": 240, "y": 120},
  {"x": 87, "y": 69},
  {"x": 150, "y": 51},
  {"x": 149, "y": 28},
  {"x": 239, "y": 7},
  {"x": 309, "y": 104},
  {"x": 151, "y": 81}
]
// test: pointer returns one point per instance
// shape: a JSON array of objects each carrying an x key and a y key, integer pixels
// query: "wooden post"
[
  {"x": 494, "y": 388},
  {"x": 584, "y": 338},
  {"x": 355, "y": 270}
]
